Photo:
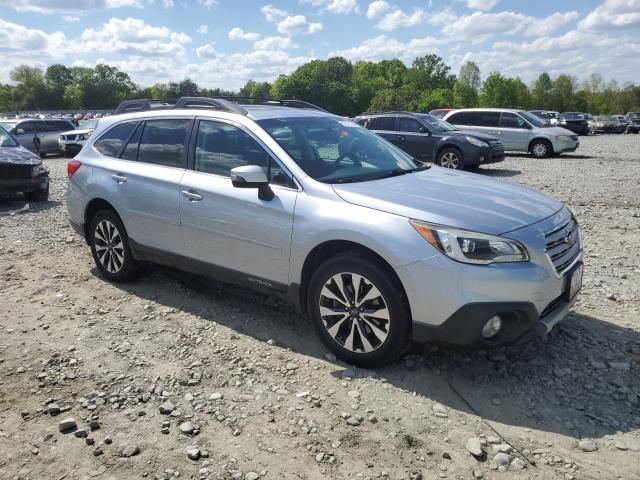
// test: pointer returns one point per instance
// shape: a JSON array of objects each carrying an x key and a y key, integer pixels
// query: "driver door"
[
  {"x": 231, "y": 227},
  {"x": 516, "y": 132}
]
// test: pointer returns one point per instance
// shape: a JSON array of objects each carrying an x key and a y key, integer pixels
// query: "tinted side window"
[
  {"x": 510, "y": 120},
  {"x": 163, "y": 142},
  {"x": 462, "y": 118},
  {"x": 409, "y": 125},
  {"x": 487, "y": 119},
  {"x": 130, "y": 152},
  {"x": 28, "y": 127},
  {"x": 383, "y": 123},
  {"x": 111, "y": 142}
]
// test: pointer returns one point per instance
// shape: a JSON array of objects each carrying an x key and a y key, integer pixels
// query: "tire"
[
  {"x": 41, "y": 195},
  {"x": 110, "y": 249},
  {"x": 450, "y": 158},
  {"x": 356, "y": 338},
  {"x": 540, "y": 149}
]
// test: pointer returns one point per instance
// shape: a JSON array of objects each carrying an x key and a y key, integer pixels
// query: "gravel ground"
[{"x": 175, "y": 376}]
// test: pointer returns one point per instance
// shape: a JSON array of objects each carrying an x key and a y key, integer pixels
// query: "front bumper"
[
  {"x": 70, "y": 146},
  {"x": 482, "y": 155},
  {"x": 451, "y": 301},
  {"x": 24, "y": 185}
]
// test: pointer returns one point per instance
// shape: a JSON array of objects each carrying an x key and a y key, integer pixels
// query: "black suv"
[
  {"x": 21, "y": 170},
  {"x": 430, "y": 139}
]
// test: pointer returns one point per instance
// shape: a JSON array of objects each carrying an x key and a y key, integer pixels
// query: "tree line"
[{"x": 336, "y": 84}]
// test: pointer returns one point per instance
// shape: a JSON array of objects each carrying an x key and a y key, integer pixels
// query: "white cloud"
[
  {"x": 613, "y": 14},
  {"x": 342, "y": 6},
  {"x": 16, "y": 40},
  {"x": 292, "y": 25},
  {"x": 133, "y": 37},
  {"x": 167, "y": 3},
  {"x": 545, "y": 26},
  {"x": 273, "y": 14},
  {"x": 482, "y": 4},
  {"x": 273, "y": 43},
  {"x": 206, "y": 51},
  {"x": 202, "y": 30},
  {"x": 67, "y": 6},
  {"x": 377, "y": 8},
  {"x": 208, "y": 3},
  {"x": 70, "y": 18},
  {"x": 399, "y": 19},
  {"x": 239, "y": 34},
  {"x": 384, "y": 47}
]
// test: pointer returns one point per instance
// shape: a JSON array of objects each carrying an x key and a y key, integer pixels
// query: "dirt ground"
[{"x": 178, "y": 376}]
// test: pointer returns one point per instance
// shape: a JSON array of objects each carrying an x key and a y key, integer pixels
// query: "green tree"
[
  {"x": 72, "y": 97},
  {"x": 562, "y": 93},
  {"x": 541, "y": 92},
  {"x": 495, "y": 91},
  {"x": 467, "y": 86}
]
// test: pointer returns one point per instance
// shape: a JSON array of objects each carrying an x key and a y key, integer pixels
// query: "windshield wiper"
[{"x": 399, "y": 171}]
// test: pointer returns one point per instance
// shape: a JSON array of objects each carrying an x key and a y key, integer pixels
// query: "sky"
[{"x": 224, "y": 43}]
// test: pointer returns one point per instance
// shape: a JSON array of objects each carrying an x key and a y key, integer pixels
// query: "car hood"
[
  {"x": 457, "y": 199},
  {"x": 78, "y": 132},
  {"x": 558, "y": 131},
  {"x": 17, "y": 156}
]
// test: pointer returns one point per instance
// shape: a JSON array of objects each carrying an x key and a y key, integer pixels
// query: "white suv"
[{"x": 519, "y": 131}]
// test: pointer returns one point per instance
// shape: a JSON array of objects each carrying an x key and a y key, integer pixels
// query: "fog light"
[
  {"x": 492, "y": 327},
  {"x": 482, "y": 159}
]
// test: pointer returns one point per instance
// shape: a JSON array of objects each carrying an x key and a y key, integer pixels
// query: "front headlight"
[
  {"x": 84, "y": 136},
  {"x": 471, "y": 247},
  {"x": 564, "y": 138},
  {"x": 476, "y": 142},
  {"x": 38, "y": 169}
]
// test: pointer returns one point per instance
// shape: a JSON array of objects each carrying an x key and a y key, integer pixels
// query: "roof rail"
[
  {"x": 394, "y": 112},
  {"x": 145, "y": 104},
  {"x": 230, "y": 104}
]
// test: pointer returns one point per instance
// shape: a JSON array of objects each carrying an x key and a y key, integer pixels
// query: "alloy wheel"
[
  {"x": 109, "y": 247},
  {"x": 450, "y": 160},
  {"x": 540, "y": 150},
  {"x": 354, "y": 312}
]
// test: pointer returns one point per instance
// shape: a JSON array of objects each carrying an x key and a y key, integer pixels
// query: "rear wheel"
[
  {"x": 450, "y": 158},
  {"x": 110, "y": 247},
  {"x": 541, "y": 149},
  {"x": 358, "y": 310}
]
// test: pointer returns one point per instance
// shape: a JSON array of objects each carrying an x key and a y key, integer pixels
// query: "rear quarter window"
[{"x": 111, "y": 142}]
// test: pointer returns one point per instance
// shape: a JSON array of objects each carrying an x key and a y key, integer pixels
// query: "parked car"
[
  {"x": 40, "y": 136},
  {"x": 575, "y": 122},
  {"x": 71, "y": 142},
  {"x": 550, "y": 116},
  {"x": 633, "y": 122},
  {"x": 21, "y": 171},
  {"x": 440, "y": 112},
  {"x": 427, "y": 138},
  {"x": 590, "y": 122},
  {"x": 622, "y": 120},
  {"x": 294, "y": 201},
  {"x": 606, "y": 124},
  {"x": 519, "y": 131}
]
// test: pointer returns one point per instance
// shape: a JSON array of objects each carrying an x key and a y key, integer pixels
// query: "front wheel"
[
  {"x": 450, "y": 158},
  {"x": 541, "y": 149},
  {"x": 359, "y": 311},
  {"x": 110, "y": 247}
]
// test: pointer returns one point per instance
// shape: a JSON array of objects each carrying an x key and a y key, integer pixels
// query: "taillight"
[{"x": 72, "y": 167}]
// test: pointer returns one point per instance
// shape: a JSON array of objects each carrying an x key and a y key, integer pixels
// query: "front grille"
[
  {"x": 70, "y": 137},
  {"x": 13, "y": 172},
  {"x": 563, "y": 245}
]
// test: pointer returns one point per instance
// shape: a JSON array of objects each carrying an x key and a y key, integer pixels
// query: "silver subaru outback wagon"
[{"x": 376, "y": 248}]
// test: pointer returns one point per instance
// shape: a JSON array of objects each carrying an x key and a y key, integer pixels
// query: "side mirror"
[
  {"x": 423, "y": 130},
  {"x": 252, "y": 176},
  {"x": 19, "y": 131}
]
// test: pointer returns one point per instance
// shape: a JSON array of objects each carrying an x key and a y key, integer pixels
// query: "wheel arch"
[
  {"x": 543, "y": 139},
  {"x": 93, "y": 207},
  {"x": 326, "y": 250},
  {"x": 440, "y": 148}
]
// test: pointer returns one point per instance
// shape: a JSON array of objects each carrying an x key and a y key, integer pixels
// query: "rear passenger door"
[
  {"x": 231, "y": 227},
  {"x": 418, "y": 141},
  {"x": 24, "y": 133},
  {"x": 153, "y": 163},
  {"x": 385, "y": 126}
]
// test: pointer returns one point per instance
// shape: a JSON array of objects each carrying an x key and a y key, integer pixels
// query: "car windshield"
[
  {"x": 88, "y": 124},
  {"x": 333, "y": 150},
  {"x": 574, "y": 116},
  {"x": 436, "y": 124},
  {"x": 531, "y": 118},
  {"x": 7, "y": 140}
]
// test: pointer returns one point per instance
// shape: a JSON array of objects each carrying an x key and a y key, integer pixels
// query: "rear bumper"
[{"x": 24, "y": 184}]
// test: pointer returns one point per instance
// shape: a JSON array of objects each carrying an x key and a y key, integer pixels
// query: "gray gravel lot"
[{"x": 174, "y": 375}]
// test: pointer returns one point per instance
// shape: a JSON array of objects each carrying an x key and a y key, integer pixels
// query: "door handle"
[
  {"x": 119, "y": 178},
  {"x": 191, "y": 195}
]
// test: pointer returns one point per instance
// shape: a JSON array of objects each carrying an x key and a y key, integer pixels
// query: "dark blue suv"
[{"x": 428, "y": 138}]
